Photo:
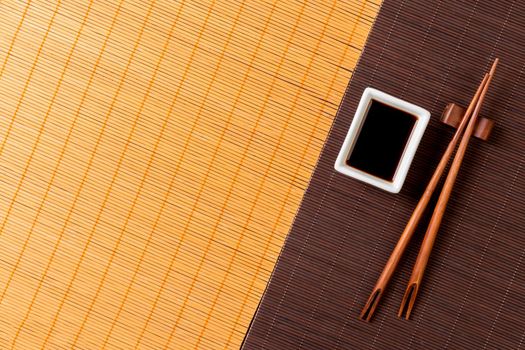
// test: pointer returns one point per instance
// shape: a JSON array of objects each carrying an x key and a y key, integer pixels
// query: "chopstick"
[
  {"x": 418, "y": 271},
  {"x": 397, "y": 253}
]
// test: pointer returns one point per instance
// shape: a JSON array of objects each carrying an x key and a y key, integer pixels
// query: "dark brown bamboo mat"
[{"x": 429, "y": 53}]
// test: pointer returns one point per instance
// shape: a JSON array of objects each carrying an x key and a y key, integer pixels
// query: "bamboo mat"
[
  {"x": 152, "y": 157},
  {"x": 429, "y": 53}
]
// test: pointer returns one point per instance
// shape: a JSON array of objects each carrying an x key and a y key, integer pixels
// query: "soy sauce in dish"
[{"x": 382, "y": 140}]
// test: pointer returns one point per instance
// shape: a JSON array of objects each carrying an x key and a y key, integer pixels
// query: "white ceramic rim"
[{"x": 422, "y": 115}]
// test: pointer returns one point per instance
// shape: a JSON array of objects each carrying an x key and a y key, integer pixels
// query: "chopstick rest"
[{"x": 453, "y": 115}]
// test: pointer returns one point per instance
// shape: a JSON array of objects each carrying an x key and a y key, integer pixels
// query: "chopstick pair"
[{"x": 467, "y": 124}]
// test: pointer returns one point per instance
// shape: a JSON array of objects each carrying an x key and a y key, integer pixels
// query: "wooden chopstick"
[
  {"x": 430, "y": 236},
  {"x": 397, "y": 253}
]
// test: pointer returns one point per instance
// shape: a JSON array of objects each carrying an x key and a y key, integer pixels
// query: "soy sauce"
[{"x": 382, "y": 140}]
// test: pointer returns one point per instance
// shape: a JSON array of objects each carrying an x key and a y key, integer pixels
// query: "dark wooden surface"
[{"x": 429, "y": 53}]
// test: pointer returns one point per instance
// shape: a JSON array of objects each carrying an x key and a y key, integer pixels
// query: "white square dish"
[{"x": 382, "y": 140}]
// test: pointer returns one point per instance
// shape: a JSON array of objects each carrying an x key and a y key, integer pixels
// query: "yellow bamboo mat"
[{"x": 152, "y": 157}]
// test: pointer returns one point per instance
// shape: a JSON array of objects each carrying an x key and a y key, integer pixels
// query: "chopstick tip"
[
  {"x": 407, "y": 304},
  {"x": 494, "y": 65},
  {"x": 371, "y": 305}
]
